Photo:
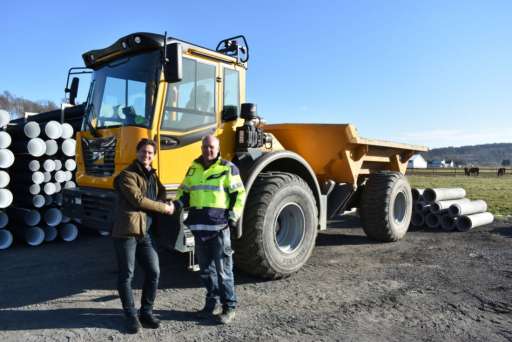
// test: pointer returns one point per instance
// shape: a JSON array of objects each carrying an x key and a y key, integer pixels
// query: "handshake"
[{"x": 169, "y": 208}]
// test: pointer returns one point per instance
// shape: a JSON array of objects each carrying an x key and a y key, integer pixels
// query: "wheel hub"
[{"x": 289, "y": 228}]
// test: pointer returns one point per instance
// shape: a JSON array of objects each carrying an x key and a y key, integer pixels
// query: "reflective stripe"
[
  {"x": 207, "y": 227},
  {"x": 235, "y": 186},
  {"x": 184, "y": 188},
  {"x": 207, "y": 187}
]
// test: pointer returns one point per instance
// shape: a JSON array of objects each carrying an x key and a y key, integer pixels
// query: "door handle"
[{"x": 167, "y": 142}]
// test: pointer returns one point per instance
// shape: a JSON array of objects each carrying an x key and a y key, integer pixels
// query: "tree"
[{"x": 18, "y": 105}]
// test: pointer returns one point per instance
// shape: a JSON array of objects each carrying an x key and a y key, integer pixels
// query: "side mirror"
[
  {"x": 73, "y": 90},
  {"x": 173, "y": 66},
  {"x": 229, "y": 113}
]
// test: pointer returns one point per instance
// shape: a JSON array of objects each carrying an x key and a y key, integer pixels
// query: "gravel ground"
[{"x": 431, "y": 286}]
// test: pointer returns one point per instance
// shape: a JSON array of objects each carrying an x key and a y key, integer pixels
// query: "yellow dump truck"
[{"x": 297, "y": 176}]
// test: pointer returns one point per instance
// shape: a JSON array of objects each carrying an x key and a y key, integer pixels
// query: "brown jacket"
[{"x": 131, "y": 186}]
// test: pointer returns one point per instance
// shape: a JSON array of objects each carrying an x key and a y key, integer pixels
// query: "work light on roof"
[
  {"x": 137, "y": 40},
  {"x": 124, "y": 45}
]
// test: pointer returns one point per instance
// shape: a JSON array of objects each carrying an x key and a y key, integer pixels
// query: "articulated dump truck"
[{"x": 297, "y": 176}]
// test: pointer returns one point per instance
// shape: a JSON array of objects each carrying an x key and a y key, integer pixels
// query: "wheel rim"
[
  {"x": 289, "y": 228},
  {"x": 400, "y": 207}
]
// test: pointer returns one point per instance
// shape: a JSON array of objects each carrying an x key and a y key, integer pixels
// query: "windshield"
[{"x": 122, "y": 93}]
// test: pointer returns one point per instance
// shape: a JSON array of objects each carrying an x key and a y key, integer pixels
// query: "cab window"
[
  {"x": 190, "y": 103},
  {"x": 231, "y": 89}
]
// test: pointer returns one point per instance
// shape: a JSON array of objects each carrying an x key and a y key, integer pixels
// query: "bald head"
[{"x": 210, "y": 148}]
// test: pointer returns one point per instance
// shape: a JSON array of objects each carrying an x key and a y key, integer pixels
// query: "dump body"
[{"x": 336, "y": 152}]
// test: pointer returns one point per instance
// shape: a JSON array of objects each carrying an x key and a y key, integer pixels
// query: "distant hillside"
[{"x": 488, "y": 154}]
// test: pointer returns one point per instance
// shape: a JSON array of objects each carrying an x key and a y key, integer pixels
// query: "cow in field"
[
  {"x": 501, "y": 171},
  {"x": 472, "y": 171}
]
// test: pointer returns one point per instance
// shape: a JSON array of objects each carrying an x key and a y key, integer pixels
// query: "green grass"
[{"x": 496, "y": 191}]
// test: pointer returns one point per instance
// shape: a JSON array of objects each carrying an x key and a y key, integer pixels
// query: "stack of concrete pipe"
[
  {"x": 448, "y": 209},
  {"x": 43, "y": 164},
  {"x": 6, "y": 197}
]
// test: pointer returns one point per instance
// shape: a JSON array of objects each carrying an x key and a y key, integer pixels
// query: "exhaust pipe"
[
  {"x": 70, "y": 165},
  {"x": 468, "y": 208},
  {"x": 468, "y": 222},
  {"x": 50, "y": 233},
  {"x": 442, "y": 194},
  {"x": 53, "y": 217},
  {"x": 67, "y": 131},
  {"x": 418, "y": 219},
  {"x": 68, "y": 232},
  {"x": 68, "y": 147},
  {"x": 5, "y": 198},
  {"x": 34, "y": 236},
  {"x": 448, "y": 223},
  {"x": 432, "y": 220},
  {"x": 5, "y": 139},
  {"x": 5, "y": 179},
  {"x": 51, "y": 147},
  {"x": 6, "y": 159},
  {"x": 5, "y": 239},
  {"x": 440, "y": 206},
  {"x": 53, "y": 130}
]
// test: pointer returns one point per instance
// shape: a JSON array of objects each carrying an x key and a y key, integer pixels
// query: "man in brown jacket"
[{"x": 140, "y": 195}]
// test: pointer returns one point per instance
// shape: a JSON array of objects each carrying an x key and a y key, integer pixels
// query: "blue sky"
[{"x": 437, "y": 73}]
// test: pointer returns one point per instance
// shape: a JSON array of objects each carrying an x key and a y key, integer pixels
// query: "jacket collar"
[
  {"x": 141, "y": 170},
  {"x": 200, "y": 161}
]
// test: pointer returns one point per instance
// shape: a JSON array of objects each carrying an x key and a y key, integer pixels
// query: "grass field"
[{"x": 496, "y": 191}]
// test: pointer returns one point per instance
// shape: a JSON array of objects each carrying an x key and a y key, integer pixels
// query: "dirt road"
[{"x": 432, "y": 286}]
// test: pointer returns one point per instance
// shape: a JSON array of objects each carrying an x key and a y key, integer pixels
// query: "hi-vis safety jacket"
[{"x": 214, "y": 195}]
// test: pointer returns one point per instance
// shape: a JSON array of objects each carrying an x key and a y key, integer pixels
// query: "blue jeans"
[
  {"x": 215, "y": 258},
  {"x": 141, "y": 249}
]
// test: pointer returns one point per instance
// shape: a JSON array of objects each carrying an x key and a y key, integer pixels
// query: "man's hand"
[{"x": 169, "y": 208}]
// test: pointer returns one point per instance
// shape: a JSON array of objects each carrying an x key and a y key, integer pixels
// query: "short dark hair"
[{"x": 144, "y": 142}]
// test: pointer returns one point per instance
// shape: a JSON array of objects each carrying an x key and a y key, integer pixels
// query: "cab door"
[{"x": 189, "y": 112}]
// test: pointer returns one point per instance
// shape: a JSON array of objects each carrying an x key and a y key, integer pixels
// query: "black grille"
[{"x": 99, "y": 156}]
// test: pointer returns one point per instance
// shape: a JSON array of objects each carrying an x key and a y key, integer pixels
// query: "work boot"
[
  {"x": 227, "y": 316},
  {"x": 132, "y": 324},
  {"x": 208, "y": 311},
  {"x": 148, "y": 320}
]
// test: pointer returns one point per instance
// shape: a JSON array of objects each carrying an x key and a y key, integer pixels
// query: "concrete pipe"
[
  {"x": 416, "y": 193},
  {"x": 69, "y": 175},
  {"x": 442, "y": 194},
  {"x": 58, "y": 164},
  {"x": 69, "y": 185},
  {"x": 51, "y": 147},
  {"x": 4, "y": 220},
  {"x": 426, "y": 210},
  {"x": 5, "y": 118},
  {"x": 58, "y": 187},
  {"x": 468, "y": 208},
  {"x": 5, "y": 239},
  {"x": 432, "y": 221},
  {"x": 448, "y": 223},
  {"x": 468, "y": 222},
  {"x": 6, "y": 159},
  {"x": 5, "y": 139},
  {"x": 49, "y": 165},
  {"x": 48, "y": 200},
  {"x": 5, "y": 198},
  {"x": 36, "y": 147},
  {"x": 418, "y": 219},
  {"x": 49, "y": 189},
  {"x": 5, "y": 179},
  {"x": 47, "y": 176},
  {"x": 60, "y": 176},
  {"x": 65, "y": 219},
  {"x": 34, "y": 236},
  {"x": 53, "y": 130},
  {"x": 68, "y": 232},
  {"x": 440, "y": 206},
  {"x": 38, "y": 201},
  {"x": 70, "y": 165},
  {"x": 34, "y": 165},
  {"x": 34, "y": 189},
  {"x": 53, "y": 217},
  {"x": 68, "y": 147},
  {"x": 37, "y": 177},
  {"x": 67, "y": 131},
  {"x": 50, "y": 233},
  {"x": 419, "y": 205},
  {"x": 58, "y": 199},
  {"x": 31, "y": 217},
  {"x": 32, "y": 130}
]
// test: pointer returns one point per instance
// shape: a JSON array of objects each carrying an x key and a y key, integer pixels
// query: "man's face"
[
  {"x": 146, "y": 154},
  {"x": 210, "y": 149}
]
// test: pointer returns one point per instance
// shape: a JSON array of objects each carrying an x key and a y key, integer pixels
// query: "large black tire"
[
  {"x": 279, "y": 226},
  {"x": 386, "y": 206}
]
